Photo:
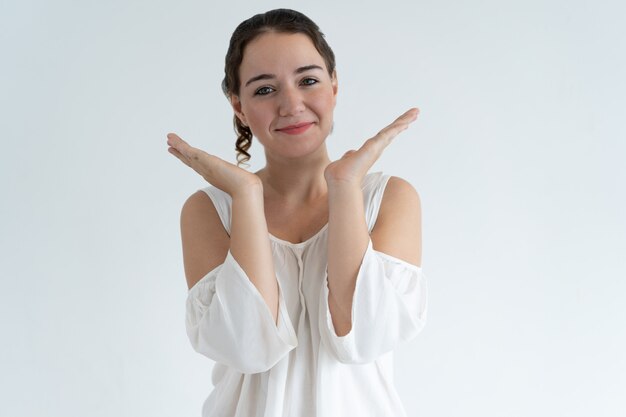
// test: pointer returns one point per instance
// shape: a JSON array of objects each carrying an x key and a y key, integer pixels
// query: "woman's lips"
[{"x": 296, "y": 129}]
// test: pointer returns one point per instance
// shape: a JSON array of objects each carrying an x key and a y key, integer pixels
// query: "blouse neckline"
[{"x": 299, "y": 244}]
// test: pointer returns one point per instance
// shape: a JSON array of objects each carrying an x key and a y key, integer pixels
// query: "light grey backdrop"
[{"x": 518, "y": 156}]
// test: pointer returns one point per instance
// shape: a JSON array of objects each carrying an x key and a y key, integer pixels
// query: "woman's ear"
[
  {"x": 335, "y": 83},
  {"x": 236, "y": 105}
]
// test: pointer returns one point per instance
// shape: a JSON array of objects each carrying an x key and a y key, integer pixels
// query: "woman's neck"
[{"x": 295, "y": 180}]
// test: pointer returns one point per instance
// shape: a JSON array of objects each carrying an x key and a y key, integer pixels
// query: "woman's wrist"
[
  {"x": 248, "y": 191},
  {"x": 343, "y": 183}
]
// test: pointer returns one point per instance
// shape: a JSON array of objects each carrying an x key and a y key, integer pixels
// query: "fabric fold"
[
  {"x": 228, "y": 321},
  {"x": 389, "y": 307}
]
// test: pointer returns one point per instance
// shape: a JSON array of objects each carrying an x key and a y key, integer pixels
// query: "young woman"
[{"x": 304, "y": 276}]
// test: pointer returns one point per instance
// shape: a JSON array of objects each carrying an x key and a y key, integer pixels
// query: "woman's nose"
[{"x": 291, "y": 102}]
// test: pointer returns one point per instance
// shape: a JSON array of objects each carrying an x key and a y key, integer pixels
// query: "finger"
[
  {"x": 411, "y": 113},
  {"x": 173, "y": 138},
  {"x": 378, "y": 143},
  {"x": 387, "y": 134},
  {"x": 180, "y": 145},
  {"x": 401, "y": 123},
  {"x": 405, "y": 118},
  {"x": 178, "y": 155}
]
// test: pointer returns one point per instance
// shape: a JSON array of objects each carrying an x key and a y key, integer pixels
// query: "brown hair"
[{"x": 278, "y": 20}]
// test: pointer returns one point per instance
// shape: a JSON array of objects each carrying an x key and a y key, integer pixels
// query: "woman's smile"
[{"x": 296, "y": 129}]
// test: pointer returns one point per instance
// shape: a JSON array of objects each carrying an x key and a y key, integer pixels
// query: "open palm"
[
  {"x": 219, "y": 173},
  {"x": 354, "y": 164}
]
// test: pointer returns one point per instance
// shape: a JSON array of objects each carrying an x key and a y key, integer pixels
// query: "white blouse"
[{"x": 299, "y": 366}]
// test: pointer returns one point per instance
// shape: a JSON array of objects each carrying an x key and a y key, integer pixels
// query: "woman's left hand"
[{"x": 354, "y": 164}]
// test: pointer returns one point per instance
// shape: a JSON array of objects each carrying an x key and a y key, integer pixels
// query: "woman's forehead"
[{"x": 274, "y": 51}]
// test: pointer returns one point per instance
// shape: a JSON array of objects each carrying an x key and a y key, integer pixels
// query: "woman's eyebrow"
[
  {"x": 307, "y": 68},
  {"x": 271, "y": 76},
  {"x": 260, "y": 77}
]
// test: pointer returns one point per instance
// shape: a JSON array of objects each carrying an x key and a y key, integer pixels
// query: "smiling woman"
[
  {"x": 301, "y": 271},
  {"x": 286, "y": 95}
]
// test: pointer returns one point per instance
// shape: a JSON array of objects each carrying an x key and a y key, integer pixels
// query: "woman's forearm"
[
  {"x": 348, "y": 238},
  {"x": 250, "y": 244}
]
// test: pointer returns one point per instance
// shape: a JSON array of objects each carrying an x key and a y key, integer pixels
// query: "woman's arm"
[
  {"x": 235, "y": 313},
  {"x": 227, "y": 318},
  {"x": 347, "y": 241},
  {"x": 204, "y": 243},
  {"x": 397, "y": 233},
  {"x": 348, "y": 237}
]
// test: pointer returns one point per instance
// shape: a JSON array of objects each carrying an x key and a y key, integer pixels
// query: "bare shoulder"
[
  {"x": 204, "y": 239},
  {"x": 401, "y": 191},
  {"x": 398, "y": 230}
]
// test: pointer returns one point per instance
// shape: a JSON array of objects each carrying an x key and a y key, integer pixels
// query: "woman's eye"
[
  {"x": 263, "y": 91},
  {"x": 309, "y": 81}
]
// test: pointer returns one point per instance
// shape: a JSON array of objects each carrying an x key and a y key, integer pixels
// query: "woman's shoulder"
[
  {"x": 392, "y": 189},
  {"x": 220, "y": 200},
  {"x": 398, "y": 225},
  {"x": 400, "y": 200},
  {"x": 204, "y": 238},
  {"x": 206, "y": 207},
  {"x": 215, "y": 194},
  {"x": 382, "y": 193},
  {"x": 380, "y": 180},
  {"x": 198, "y": 202},
  {"x": 400, "y": 189}
]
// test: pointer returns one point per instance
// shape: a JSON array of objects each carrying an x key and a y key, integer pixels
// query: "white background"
[{"x": 518, "y": 156}]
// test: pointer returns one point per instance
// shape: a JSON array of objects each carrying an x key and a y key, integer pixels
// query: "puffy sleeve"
[
  {"x": 228, "y": 321},
  {"x": 388, "y": 307}
]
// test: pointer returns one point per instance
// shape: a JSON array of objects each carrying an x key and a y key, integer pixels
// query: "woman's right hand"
[{"x": 226, "y": 176}]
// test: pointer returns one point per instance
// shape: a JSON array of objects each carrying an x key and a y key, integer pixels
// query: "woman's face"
[{"x": 286, "y": 95}]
